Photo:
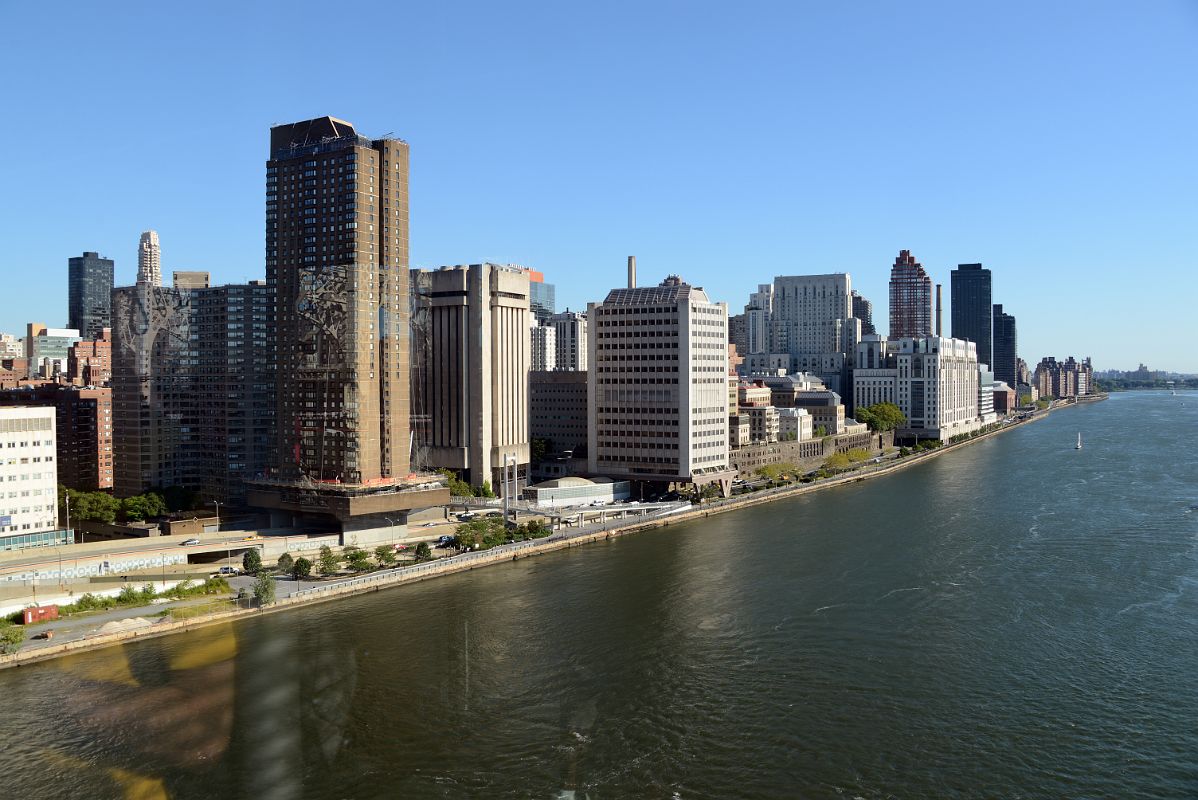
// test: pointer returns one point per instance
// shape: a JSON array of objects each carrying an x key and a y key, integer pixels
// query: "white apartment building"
[
  {"x": 571, "y": 337},
  {"x": 28, "y": 474},
  {"x": 658, "y": 385},
  {"x": 544, "y": 348},
  {"x": 933, "y": 380}
]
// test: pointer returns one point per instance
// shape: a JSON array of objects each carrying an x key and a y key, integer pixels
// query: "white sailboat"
[{"x": 1079, "y": 441}]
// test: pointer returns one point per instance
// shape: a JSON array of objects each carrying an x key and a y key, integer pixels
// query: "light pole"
[{"x": 68, "y": 496}]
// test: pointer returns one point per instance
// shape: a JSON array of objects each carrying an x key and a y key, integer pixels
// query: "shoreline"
[{"x": 377, "y": 581}]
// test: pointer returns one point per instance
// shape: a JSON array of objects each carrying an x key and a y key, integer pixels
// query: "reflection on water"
[{"x": 1018, "y": 618}]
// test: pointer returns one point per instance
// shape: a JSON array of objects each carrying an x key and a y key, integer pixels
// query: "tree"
[
  {"x": 328, "y": 562},
  {"x": 820, "y": 431},
  {"x": 836, "y": 461},
  {"x": 143, "y": 506},
  {"x": 423, "y": 553},
  {"x": 457, "y": 486},
  {"x": 384, "y": 554},
  {"x": 264, "y": 588},
  {"x": 882, "y": 416},
  {"x": 251, "y": 562},
  {"x": 302, "y": 568},
  {"x": 485, "y": 490},
  {"x": 285, "y": 563},
  {"x": 538, "y": 448},
  {"x": 356, "y": 558},
  {"x": 88, "y": 506}
]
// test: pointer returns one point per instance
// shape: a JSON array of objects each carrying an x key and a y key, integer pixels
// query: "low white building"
[
  {"x": 575, "y": 491},
  {"x": 28, "y": 477},
  {"x": 795, "y": 425}
]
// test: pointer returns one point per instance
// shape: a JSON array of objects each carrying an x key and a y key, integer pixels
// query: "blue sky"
[{"x": 1052, "y": 141}]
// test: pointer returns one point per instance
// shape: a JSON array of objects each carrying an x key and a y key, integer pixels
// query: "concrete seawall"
[{"x": 462, "y": 563}]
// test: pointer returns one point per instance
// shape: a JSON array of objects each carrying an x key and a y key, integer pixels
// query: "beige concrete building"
[
  {"x": 658, "y": 398},
  {"x": 191, "y": 279},
  {"x": 472, "y": 354}
]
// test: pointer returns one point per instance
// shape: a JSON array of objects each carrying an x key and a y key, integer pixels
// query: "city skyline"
[{"x": 996, "y": 167}]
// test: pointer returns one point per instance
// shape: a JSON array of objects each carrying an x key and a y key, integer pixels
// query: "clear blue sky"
[{"x": 729, "y": 142}]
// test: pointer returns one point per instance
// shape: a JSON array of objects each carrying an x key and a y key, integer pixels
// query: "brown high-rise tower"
[
  {"x": 337, "y": 258},
  {"x": 910, "y": 298}
]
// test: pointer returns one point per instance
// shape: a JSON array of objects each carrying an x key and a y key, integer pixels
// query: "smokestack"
[
  {"x": 632, "y": 272},
  {"x": 939, "y": 313}
]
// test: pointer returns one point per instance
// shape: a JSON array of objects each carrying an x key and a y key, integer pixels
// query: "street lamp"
[{"x": 68, "y": 496}]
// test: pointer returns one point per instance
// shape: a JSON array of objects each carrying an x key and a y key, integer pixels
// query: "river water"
[{"x": 1015, "y": 619}]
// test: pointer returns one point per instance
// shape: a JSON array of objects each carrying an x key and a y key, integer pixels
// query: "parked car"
[
  {"x": 446, "y": 541},
  {"x": 189, "y": 542},
  {"x": 430, "y": 524},
  {"x": 225, "y": 572}
]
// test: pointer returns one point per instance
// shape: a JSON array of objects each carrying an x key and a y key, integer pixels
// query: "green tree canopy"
[
  {"x": 457, "y": 486},
  {"x": 88, "y": 506},
  {"x": 142, "y": 507},
  {"x": 423, "y": 552},
  {"x": 264, "y": 588},
  {"x": 328, "y": 562},
  {"x": 356, "y": 558},
  {"x": 251, "y": 562},
  {"x": 302, "y": 568},
  {"x": 285, "y": 563},
  {"x": 384, "y": 554},
  {"x": 881, "y": 416},
  {"x": 538, "y": 448}
]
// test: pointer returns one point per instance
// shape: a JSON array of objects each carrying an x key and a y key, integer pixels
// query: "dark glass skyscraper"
[
  {"x": 864, "y": 311},
  {"x": 89, "y": 294},
  {"x": 542, "y": 300},
  {"x": 972, "y": 312},
  {"x": 1006, "y": 356}
]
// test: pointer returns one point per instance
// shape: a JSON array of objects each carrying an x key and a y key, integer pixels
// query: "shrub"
[
  {"x": 11, "y": 637},
  {"x": 284, "y": 563},
  {"x": 302, "y": 568},
  {"x": 423, "y": 553},
  {"x": 264, "y": 588},
  {"x": 356, "y": 558}
]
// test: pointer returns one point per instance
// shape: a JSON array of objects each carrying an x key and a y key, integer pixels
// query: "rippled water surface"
[{"x": 1016, "y": 619}]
